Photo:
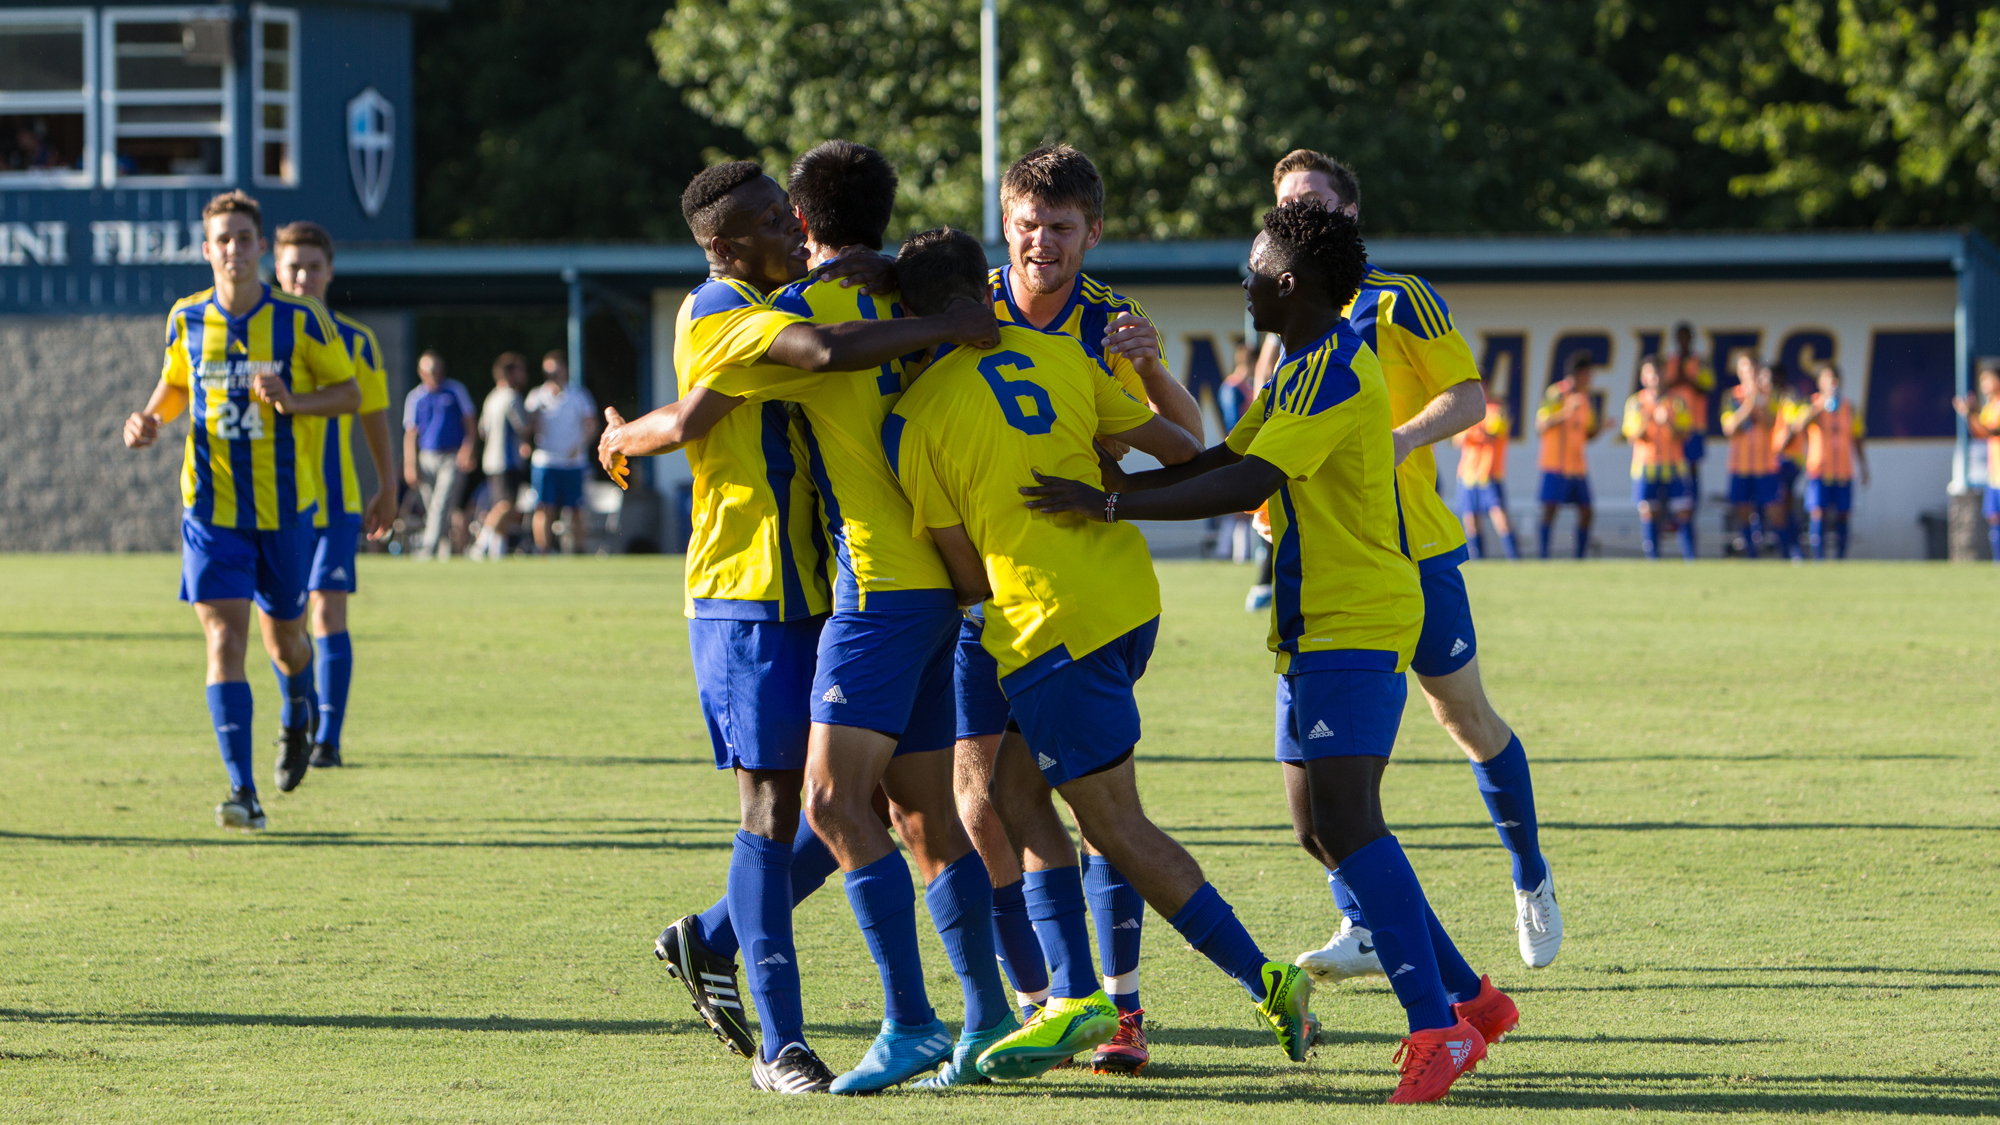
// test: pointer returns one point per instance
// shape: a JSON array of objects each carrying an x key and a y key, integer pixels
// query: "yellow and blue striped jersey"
[
  {"x": 968, "y": 435},
  {"x": 244, "y": 459},
  {"x": 879, "y": 563},
  {"x": 1401, "y": 319},
  {"x": 757, "y": 550},
  {"x": 1345, "y": 594},
  {"x": 340, "y": 485},
  {"x": 1090, "y": 309}
]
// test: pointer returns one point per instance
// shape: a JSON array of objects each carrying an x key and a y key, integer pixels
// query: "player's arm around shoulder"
[{"x": 322, "y": 358}]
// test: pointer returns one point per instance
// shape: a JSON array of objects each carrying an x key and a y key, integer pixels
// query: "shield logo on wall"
[{"x": 371, "y": 147}]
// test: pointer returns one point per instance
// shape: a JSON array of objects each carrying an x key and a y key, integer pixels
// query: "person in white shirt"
[
  {"x": 564, "y": 419},
  {"x": 504, "y": 432}
]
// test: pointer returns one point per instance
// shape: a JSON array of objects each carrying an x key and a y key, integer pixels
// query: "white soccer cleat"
[
  {"x": 1348, "y": 953},
  {"x": 1258, "y": 600},
  {"x": 1538, "y": 923}
]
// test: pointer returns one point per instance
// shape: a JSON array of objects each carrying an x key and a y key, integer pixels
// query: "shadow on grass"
[
  {"x": 1264, "y": 758},
  {"x": 564, "y": 759},
  {"x": 358, "y": 840},
  {"x": 390, "y": 1022},
  {"x": 9, "y": 635},
  {"x": 1614, "y": 826},
  {"x": 1886, "y": 969}
]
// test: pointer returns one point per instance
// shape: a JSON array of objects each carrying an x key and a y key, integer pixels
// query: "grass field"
[{"x": 1769, "y": 795}]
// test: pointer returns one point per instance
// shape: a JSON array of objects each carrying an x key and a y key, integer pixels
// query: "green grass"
[{"x": 1769, "y": 794}]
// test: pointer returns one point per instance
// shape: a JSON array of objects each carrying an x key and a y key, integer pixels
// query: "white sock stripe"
[
  {"x": 1123, "y": 984},
  {"x": 1026, "y": 998}
]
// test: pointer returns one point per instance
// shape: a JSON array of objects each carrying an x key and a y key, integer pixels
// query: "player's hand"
[
  {"x": 141, "y": 430},
  {"x": 1133, "y": 337},
  {"x": 1403, "y": 445},
  {"x": 972, "y": 323},
  {"x": 872, "y": 270},
  {"x": 1055, "y": 494},
  {"x": 1960, "y": 403},
  {"x": 273, "y": 390},
  {"x": 378, "y": 516},
  {"x": 1260, "y": 522},
  {"x": 610, "y": 448},
  {"x": 465, "y": 460},
  {"x": 1108, "y": 454}
]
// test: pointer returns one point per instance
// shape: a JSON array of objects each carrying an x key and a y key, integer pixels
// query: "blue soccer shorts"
[
  {"x": 1339, "y": 713},
  {"x": 1829, "y": 495},
  {"x": 889, "y": 670},
  {"x": 1560, "y": 489},
  {"x": 1448, "y": 641},
  {"x": 1990, "y": 507},
  {"x": 1756, "y": 488},
  {"x": 1667, "y": 492},
  {"x": 334, "y": 547},
  {"x": 557, "y": 487},
  {"x": 755, "y": 678},
  {"x": 981, "y": 705},
  {"x": 218, "y": 563},
  {"x": 1081, "y": 717},
  {"x": 1479, "y": 499}
]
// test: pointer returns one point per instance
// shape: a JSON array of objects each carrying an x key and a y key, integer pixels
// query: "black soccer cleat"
[
  {"x": 325, "y": 757},
  {"x": 294, "y": 748},
  {"x": 796, "y": 1070},
  {"x": 711, "y": 983},
  {"x": 241, "y": 810}
]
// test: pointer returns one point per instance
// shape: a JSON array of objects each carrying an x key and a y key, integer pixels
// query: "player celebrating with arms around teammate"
[
  {"x": 305, "y": 268},
  {"x": 1434, "y": 392},
  {"x": 259, "y": 370},
  {"x": 1347, "y": 613}
]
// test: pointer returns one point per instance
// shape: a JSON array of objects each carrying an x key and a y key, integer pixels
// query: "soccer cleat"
[
  {"x": 325, "y": 757},
  {"x": 1313, "y": 1028},
  {"x": 1287, "y": 989},
  {"x": 1259, "y": 599},
  {"x": 1126, "y": 1053},
  {"x": 1492, "y": 1012},
  {"x": 898, "y": 1054},
  {"x": 1538, "y": 923},
  {"x": 1065, "y": 1026},
  {"x": 1350, "y": 952},
  {"x": 796, "y": 1070},
  {"x": 1432, "y": 1060},
  {"x": 294, "y": 748},
  {"x": 711, "y": 983},
  {"x": 241, "y": 810},
  {"x": 963, "y": 1069}
]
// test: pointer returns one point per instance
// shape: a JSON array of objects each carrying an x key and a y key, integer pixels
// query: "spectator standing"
[
  {"x": 1982, "y": 417},
  {"x": 1689, "y": 378},
  {"x": 438, "y": 427},
  {"x": 1567, "y": 420},
  {"x": 564, "y": 420},
  {"x": 505, "y": 449}
]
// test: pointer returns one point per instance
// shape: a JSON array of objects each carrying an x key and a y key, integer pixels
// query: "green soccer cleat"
[
  {"x": 1287, "y": 990},
  {"x": 1064, "y": 1027}
]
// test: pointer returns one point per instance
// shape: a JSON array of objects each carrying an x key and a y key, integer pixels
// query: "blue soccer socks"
[
  {"x": 230, "y": 705},
  {"x": 1019, "y": 949},
  {"x": 1840, "y": 538},
  {"x": 1118, "y": 914},
  {"x": 960, "y": 900},
  {"x": 885, "y": 905},
  {"x": 1545, "y": 531},
  {"x": 1209, "y": 924},
  {"x": 1993, "y": 540},
  {"x": 1399, "y": 919},
  {"x": 1510, "y": 546},
  {"x": 1343, "y": 898},
  {"x": 1055, "y": 904},
  {"x": 1649, "y": 537},
  {"x": 760, "y": 906},
  {"x": 812, "y": 866},
  {"x": 1509, "y": 792},
  {"x": 1582, "y": 540},
  {"x": 300, "y": 706},
  {"x": 1460, "y": 982},
  {"x": 1685, "y": 533},
  {"x": 1816, "y": 536},
  {"x": 333, "y": 670}
]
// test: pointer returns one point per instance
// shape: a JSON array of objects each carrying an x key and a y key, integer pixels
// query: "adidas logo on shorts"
[
  {"x": 1458, "y": 645},
  {"x": 1320, "y": 730},
  {"x": 1044, "y": 761},
  {"x": 339, "y": 574},
  {"x": 833, "y": 695}
]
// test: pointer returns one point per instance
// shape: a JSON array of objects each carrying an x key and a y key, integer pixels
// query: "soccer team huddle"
[{"x": 917, "y": 611}]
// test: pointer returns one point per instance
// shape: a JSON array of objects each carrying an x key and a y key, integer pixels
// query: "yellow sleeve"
[
  {"x": 1497, "y": 426},
  {"x": 763, "y": 382},
  {"x": 1441, "y": 361},
  {"x": 737, "y": 337},
  {"x": 1248, "y": 423},
  {"x": 1860, "y": 427},
  {"x": 1118, "y": 409},
  {"x": 911, "y": 458},
  {"x": 1551, "y": 406},
  {"x": 1299, "y": 443},
  {"x": 1634, "y": 421},
  {"x": 368, "y": 372},
  {"x": 1683, "y": 419},
  {"x": 175, "y": 371},
  {"x": 326, "y": 356}
]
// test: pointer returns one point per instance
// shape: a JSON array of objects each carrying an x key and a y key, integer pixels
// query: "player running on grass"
[
  {"x": 1052, "y": 201},
  {"x": 267, "y": 368},
  {"x": 1071, "y": 611},
  {"x": 1348, "y": 610},
  {"x": 757, "y": 592},
  {"x": 1433, "y": 393},
  {"x": 1657, "y": 423},
  {"x": 304, "y": 260},
  {"x": 1567, "y": 420}
]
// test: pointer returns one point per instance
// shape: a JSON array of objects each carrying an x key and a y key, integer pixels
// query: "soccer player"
[
  {"x": 1982, "y": 418},
  {"x": 1567, "y": 421},
  {"x": 1657, "y": 423},
  {"x": 758, "y": 598},
  {"x": 1071, "y": 611},
  {"x": 304, "y": 260},
  {"x": 1482, "y": 481},
  {"x": 268, "y": 366},
  {"x": 1433, "y": 393},
  {"x": 1833, "y": 432},
  {"x": 1751, "y": 420},
  {"x": 1689, "y": 378},
  {"x": 1349, "y": 610},
  {"x": 1052, "y": 205}
]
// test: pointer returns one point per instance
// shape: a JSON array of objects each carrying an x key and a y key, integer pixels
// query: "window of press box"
[
  {"x": 275, "y": 63},
  {"x": 167, "y": 96},
  {"x": 46, "y": 81}
]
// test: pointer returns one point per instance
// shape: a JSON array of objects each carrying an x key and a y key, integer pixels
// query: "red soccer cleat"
[
  {"x": 1126, "y": 1053},
  {"x": 1491, "y": 1012},
  {"x": 1432, "y": 1060}
]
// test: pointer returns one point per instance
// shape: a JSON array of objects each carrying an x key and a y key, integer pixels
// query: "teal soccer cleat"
[
  {"x": 963, "y": 1069},
  {"x": 898, "y": 1054}
]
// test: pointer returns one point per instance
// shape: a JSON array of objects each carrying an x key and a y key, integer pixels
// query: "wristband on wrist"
[{"x": 1111, "y": 507}]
